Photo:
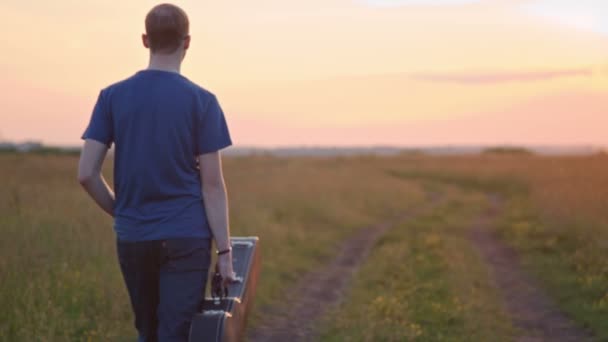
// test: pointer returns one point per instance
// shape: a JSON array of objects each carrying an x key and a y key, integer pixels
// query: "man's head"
[{"x": 167, "y": 30}]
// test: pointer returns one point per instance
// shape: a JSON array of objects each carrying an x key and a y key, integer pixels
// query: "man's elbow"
[{"x": 85, "y": 178}]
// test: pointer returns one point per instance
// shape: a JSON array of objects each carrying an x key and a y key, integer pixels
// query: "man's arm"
[
  {"x": 216, "y": 206},
  {"x": 90, "y": 177}
]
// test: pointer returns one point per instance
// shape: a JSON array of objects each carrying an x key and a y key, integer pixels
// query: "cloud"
[
  {"x": 590, "y": 15},
  {"x": 397, "y": 3},
  {"x": 501, "y": 77}
]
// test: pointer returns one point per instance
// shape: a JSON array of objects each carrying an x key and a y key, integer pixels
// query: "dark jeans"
[{"x": 165, "y": 280}]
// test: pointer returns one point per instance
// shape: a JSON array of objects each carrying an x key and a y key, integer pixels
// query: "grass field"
[
  {"x": 555, "y": 217},
  {"x": 423, "y": 281}
]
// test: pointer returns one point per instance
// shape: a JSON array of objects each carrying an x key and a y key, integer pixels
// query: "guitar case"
[{"x": 223, "y": 316}]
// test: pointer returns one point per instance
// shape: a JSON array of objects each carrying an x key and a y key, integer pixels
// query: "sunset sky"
[{"x": 327, "y": 72}]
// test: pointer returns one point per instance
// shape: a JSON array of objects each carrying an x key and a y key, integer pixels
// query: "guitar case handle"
[{"x": 218, "y": 290}]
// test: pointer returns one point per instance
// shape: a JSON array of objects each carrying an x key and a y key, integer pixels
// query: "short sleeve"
[
  {"x": 213, "y": 134},
  {"x": 101, "y": 127}
]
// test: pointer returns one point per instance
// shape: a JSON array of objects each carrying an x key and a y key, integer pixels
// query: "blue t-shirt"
[{"x": 159, "y": 121}]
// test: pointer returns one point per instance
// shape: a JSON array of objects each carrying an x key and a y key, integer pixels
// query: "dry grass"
[
  {"x": 562, "y": 187},
  {"x": 59, "y": 278},
  {"x": 425, "y": 282},
  {"x": 555, "y": 217}
]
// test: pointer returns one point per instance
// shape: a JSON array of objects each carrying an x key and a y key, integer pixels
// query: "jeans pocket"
[{"x": 189, "y": 254}]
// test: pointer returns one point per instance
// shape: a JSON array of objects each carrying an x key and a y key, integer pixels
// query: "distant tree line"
[
  {"x": 36, "y": 148},
  {"x": 508, "y": 150}
]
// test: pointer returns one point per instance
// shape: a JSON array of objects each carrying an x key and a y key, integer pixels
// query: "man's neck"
[{"x": 170, "y": 62}]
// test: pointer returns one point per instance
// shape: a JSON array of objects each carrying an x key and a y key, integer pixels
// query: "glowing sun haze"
[{"x": 327, "y": 72}]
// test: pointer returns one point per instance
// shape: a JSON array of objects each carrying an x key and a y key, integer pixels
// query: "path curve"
[
  {"x": 320, "y": 290},
  {"x": 531, "y": 310}
]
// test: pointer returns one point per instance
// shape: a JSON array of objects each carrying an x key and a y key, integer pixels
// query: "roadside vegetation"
[
  {"x": 425, "y": 282},
  {"x": 555, "y": 216},
  {"x": 59, "y": 278}
]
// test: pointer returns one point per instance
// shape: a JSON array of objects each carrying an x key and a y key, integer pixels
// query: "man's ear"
[
  {"x": 144, "y": 40},
  {"x": 187, "y": 42}
]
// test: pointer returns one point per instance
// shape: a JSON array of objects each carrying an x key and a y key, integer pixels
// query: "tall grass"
[
  {"x": 563, "y": 187},
  {"x": 425, "y": 282},
  {"x": 59, "y": 278},
  {"x": 555, "y": 215}
]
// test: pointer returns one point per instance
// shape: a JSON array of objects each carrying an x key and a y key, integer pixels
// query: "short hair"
[{"x": 166, "y": 27}]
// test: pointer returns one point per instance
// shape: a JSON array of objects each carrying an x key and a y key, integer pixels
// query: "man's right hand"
[{"x": 224, "y": 263}]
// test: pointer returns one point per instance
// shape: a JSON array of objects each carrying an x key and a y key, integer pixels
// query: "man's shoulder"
[
  {"x": 120, "y": 83},
  {"x": 205, "y": 96},
  {"x": 194, "y": 88},
  {"x": 198, "y": 88},
  {"x": 108, "y": 89},
  {"x": 178, "y": 78}
]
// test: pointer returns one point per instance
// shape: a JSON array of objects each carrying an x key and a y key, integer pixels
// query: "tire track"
[
  {"x": 532, "y": 311},
  {"x": 322, "y": 289}
]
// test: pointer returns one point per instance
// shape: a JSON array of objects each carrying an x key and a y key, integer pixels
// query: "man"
[{"x": 170, "y": 194}]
